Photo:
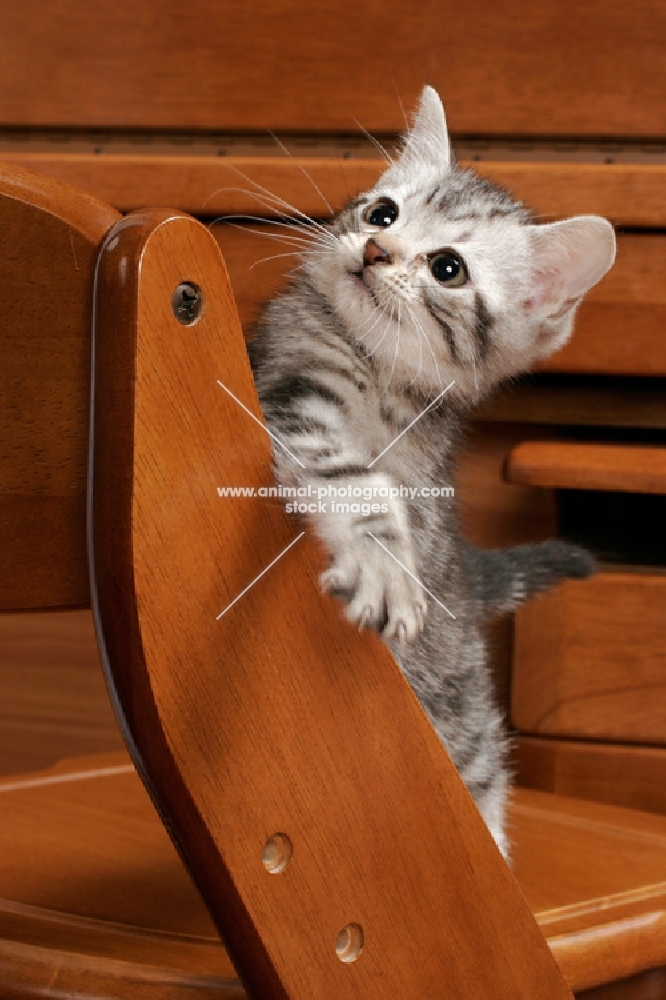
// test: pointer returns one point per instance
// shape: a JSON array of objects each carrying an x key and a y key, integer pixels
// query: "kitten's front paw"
[{"x": 380, "y": 594}]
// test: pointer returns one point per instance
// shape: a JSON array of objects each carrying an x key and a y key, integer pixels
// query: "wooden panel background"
[
  {"x": 589, "y": 660},
  {"x": 621, "y": 775},
  {"x": 53, "y": 699},
  {"x": 502, "y": 67}
]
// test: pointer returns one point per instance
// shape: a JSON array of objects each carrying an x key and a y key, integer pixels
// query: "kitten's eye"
[
  {"x": 449, "y": 269},
  {"x": 382, "y": 213}
]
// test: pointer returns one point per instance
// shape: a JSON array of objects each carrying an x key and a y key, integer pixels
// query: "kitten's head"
[{"x": 442, "y": 276}]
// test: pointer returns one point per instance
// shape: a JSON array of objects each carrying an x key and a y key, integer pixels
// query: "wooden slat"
[
  {"x": 621, "y": 775},
  {"x": 211, "y": 706},
  {"x": 501, "y": 67},
  {"x": 627, "y": 194},
  {"x": 589, "y": 660},
  {"x": 577, "y": 466},
  {"x": 623, "y": 403}
]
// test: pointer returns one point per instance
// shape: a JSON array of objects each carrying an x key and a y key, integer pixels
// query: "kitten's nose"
[{"x": 374, "y": 254}]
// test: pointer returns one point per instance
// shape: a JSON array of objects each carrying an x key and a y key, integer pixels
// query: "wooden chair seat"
[{"x": 93, "y": 893}]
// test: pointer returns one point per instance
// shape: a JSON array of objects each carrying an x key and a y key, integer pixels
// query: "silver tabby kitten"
[{"x": 433, "y": 278}]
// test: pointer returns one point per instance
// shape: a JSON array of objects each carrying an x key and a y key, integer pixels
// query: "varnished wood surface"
[
  {"x": 213, "y": 706},
  {"x": 582, "y": 466},
  {"x": 87, "y": 893},
  {"x": 550, "y": 68},
  {"x": 627, "y": 194},
  {"x": 622, "y": 775},
  {"x": 494, "y": 512},
  {"x": 649, "y": 985},
  {"x": 48, "y": 240},
  {"x": 589, "y": 660},
  {"x": 53, "y": 699}
]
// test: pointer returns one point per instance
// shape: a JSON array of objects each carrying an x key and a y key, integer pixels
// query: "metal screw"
[{"x": 187, "y": 303}]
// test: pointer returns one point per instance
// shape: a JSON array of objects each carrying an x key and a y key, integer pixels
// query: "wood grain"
[
  {"x": 627, "y": 194},
  {"x": 631, "y": 776},
  {"x": 93, "y": 895},
  {"x": 94, "y": 898},
  {"x": 48, "y": 240},
  {"x": 53, "y": 699},
  {"x": 502, "y": 68},
  {"x": 581, "y": 466},
  {"x": 212, "y": 707},
  {"x": 612, "y": 625},
  {"x": 493, "y": 511}
]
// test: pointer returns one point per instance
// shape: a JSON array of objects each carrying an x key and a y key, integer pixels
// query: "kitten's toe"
[
  {"x": 366, "y": 618},
  {"x": 405, "y": 623},
  {"x": 367, "y": 608}
]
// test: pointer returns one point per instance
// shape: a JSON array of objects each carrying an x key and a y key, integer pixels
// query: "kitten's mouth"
[{"x": 360, "y": 278}]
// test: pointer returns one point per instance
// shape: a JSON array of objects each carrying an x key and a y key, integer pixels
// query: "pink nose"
[{"x": 374, "y": 254}]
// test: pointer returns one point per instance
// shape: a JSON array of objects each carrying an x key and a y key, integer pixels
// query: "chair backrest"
[{"x": 48, "y": 245}]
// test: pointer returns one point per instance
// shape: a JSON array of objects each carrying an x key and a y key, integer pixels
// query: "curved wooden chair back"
[
  {"x": 49, "y": 237},
  {"x": 328, "y": 832}
]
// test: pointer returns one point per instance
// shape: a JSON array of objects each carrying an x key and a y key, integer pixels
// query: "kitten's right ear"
[
  {"x": 427, "y": 142},
  {"x": 568, "y": 258}
]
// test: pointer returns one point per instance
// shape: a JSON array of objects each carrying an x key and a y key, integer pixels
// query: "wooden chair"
[{"x": 323, "y": 824}]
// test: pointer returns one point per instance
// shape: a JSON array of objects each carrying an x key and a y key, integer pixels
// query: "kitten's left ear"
[
  {"x": 427, "y": 142},
  {"x": 568, "y": 258}
]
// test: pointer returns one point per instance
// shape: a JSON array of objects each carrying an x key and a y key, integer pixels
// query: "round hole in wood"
[
  {"x": 350, "y": 943},
  {"x": 277, "y": 853}
]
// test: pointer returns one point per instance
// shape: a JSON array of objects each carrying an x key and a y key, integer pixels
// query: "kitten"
[{"x": 419, "y": 298}]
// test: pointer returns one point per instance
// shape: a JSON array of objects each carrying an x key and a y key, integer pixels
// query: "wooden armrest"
[
  {"x": 326, "y": 828},
  {"x": 627, "y": 468}
]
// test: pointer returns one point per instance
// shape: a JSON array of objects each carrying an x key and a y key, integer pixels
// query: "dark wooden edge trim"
[{"x": 113, "y": 596}]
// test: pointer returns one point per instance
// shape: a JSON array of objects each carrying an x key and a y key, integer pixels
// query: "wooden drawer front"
[
  {"x": 506, "y": 66},
  {"x": 590, "y": 660}
]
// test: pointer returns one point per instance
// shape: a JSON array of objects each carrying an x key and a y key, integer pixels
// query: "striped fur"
[{"x": 359, "y": 347}]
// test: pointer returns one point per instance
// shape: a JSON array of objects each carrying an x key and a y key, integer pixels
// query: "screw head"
[{"x": 187, "y": 303}]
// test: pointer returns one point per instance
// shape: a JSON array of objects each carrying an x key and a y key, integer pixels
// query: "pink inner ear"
[{"x": 545, "y": 285}]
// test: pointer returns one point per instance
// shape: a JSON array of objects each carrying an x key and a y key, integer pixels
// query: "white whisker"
[
  {"x": 375, "y": 142},
  {"x": 274, "y": 199},
  {"x": 303, "y": 171}
]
